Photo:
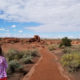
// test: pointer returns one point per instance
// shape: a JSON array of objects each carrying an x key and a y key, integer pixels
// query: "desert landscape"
[
  {"x": 41, "y": 59},
  {"x": 40, "y": 39}
]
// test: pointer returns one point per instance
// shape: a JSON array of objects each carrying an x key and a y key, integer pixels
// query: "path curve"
[{"x": 47, "y": 68}]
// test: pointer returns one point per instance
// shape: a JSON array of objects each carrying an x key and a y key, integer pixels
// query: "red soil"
[
  {"x": 47, "y": 68},
  {"x": 17, "y": 46}
]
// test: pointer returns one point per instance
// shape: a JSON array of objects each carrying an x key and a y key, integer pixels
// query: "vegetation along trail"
[{"x": 47, "y": 68}]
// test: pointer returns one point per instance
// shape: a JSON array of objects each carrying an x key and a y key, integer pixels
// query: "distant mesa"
[
  {"x": 36, "y": 38},
  {"x": 9, "y": 40}
]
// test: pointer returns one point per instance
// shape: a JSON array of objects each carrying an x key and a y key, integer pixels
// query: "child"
[{"x": 3, "y": 66}]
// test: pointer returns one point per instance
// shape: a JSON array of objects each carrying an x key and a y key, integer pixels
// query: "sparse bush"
[
  {"x": 14, "y": 54},
  {"x": 34, "y": 53},
  {"x": 51, "y": 47},
  {"x": 76, "y": 48},
  {"x": 65, "y": 42},
  {"x": 0, "y": 39},
  {"x": 67, "y": 50},
  {"x": 46, "y": 44},
  {"x": 12, "y": 42},
  {"x": 16, "y": 59},
  {"x": 27, "y": 60},
  {"x": 13, "y": 66},
  {"x": 71, "y": 49},
  {"x": 26, "y": 53},
  {"x": 71, "y": 61}
]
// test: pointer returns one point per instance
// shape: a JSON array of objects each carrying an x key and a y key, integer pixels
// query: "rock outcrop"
[{"x": 36, "y": 38}]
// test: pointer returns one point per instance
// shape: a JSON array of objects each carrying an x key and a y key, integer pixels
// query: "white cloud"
[
  {"x": 54, "y": 28},
  {"x": 3, "y": 29},
  {"x": 15, "y": 35},
  {"x": 5, "y": 35},
  {"x": 56, "y": 15},
  {"x": 13, "y": 26},
  {"x": 20, "y": 31}
]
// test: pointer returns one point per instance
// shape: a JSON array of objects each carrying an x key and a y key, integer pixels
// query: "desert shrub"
[
  {"x": 46, "y": 44},
  {"x": 34, "y": 53},
  {"x": 27, "y": 60},
  {"x": 76, "y": 47},
  {"x": 0, "y": 39},
  {"x": 65, "y": 42},
  {"x": 27, "y": 52},
  {"x": 71, "y": 61},
  {"x": 28, "y": 55},
  {"x": 14, "y": 54},
  {"x": 16, "y": 59},
  {"x": 23, "y": 54},
  {"x": 13, "y": 66},
  {"x": 51, "y": 47},
  {"x": 12, "y": 42},
  {"x": 67, "y": 50},
  {"x": 71, "y": 49}
]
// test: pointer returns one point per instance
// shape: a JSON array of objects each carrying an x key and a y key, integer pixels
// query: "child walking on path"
[{"x": 3, "y": 66}]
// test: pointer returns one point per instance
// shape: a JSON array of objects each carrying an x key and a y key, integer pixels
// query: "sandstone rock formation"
[{"x": 36, "y": 38}]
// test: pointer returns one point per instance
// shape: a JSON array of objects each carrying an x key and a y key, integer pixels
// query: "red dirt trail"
[{"x": 47, "y": 68}]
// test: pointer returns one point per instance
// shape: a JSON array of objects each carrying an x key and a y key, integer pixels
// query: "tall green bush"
[{"x": 65, "y": 42}]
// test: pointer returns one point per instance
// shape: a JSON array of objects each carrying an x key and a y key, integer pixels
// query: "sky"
[{"x": 46, "y": 18}]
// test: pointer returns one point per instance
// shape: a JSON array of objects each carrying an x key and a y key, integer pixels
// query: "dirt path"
[{"x": 47, "y": 68}]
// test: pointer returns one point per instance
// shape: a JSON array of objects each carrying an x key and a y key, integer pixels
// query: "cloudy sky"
[{"x": 47, "y": 18}]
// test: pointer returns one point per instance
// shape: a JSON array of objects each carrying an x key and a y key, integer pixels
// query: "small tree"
[{"x": 65, "y": 42}]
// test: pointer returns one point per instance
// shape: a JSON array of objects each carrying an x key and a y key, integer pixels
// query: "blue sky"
[{"x": 47, "y": 18}]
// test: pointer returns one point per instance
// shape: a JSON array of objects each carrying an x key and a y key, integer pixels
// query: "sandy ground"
[{"x": 47, "y": 68}]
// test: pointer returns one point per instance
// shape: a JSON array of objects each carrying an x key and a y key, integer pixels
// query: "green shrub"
[
  {"x": 71, "y": 61},
  {"x": 13, "y": 66},
  {"x": 34, "y": 53},
  {"x": 12, "y": 42},
  {"x": 76, "y": 48},
  {"x": 0, "y": 39},
  {"x": 16, "y": 59},
  {"x": 26, "y": 53},
  {"x": 51, "y": 47},
  {"x": 27, "y": 60},
  {"x": 65, "y": 42},
  {"x": 71, "y": 49},
  {"x": 67, "y": 50},
  {"x": 14, "y": 54}
]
